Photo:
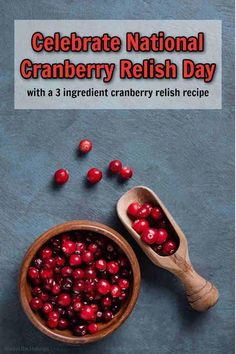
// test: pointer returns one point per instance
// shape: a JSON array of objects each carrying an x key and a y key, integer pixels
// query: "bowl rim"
[{"x": 74, "y": 225}]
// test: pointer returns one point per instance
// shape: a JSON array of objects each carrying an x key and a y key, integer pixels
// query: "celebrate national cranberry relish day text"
[{"x": 148, "y": 69}]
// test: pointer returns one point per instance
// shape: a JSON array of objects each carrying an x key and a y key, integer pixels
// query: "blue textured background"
[{"x": 187, "y": 157}]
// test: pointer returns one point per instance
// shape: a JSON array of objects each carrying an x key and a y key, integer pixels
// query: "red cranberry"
[
  {"x": 46, "y": 253},
  {"x": 115, "y": 291},
  {"x": 125, "y": 273},
  {"x": 61, "y": 176},
  {"x": 43, "y": 296},
  {"x": 46, "y": 273},
  {"x": 48, "y": 283},
  {"x": 68, "y": 247},
  {"x": 144, "y": 211},
  {"x": 49, "y": 263},
  {"x": 140, "y": 225},
  {"x": 56, "y": 289},
  {"x": 77, "y": 305},
  {"x": 115, "y": 166},
  {"x": 75, "y": 260},
  {"x": 66, "y": 271},
  {"x": 133, "y": 209},
  {"x": 95, "y": 307},
  {"x": 149, "y": 236},
  {"x": 53, "y": 319},
  {"x": 85, "y": 146},
  {"x": 126, "y": 173},
  {"x": 92, "y": 328},
  {"x": 80, "y": 247},
  {"x": 123, "y": 261},
  {"x": 87, "y": 256},
  {"x": 114, "y": 279},
  {"x": 101, "y": 264},
  {"x": 123, "y": 296},
  {"x": 36, "y": 303},
  {"x": 94, "y": 175},
  {"x": 63, "y": 323},
  {"x": 156, "y": 213},
  {"x": 33, "y": 273},
  {"x": 38, "y": 262},
  {"x": 87, "y": 313},
  {"x": 103, "y": 286},
  {"x": 60, "y": 261},
  {"x": 64, "y": 299},
  {"x": 80, "y": 330},
  {"x": 169, "y": 247},
  {"x": 161, "y": 236},
  {"x": 123, "y": 283},
  {"x": 113, "y": 267},
  {"x": 90, "y": 273},
  {"x": 93, "y": 247},
  {"x": 107, "y": 316},
  {"x": 99, "y": 316},
  {"x": 36, "y": 291},
  {"x": 78, "y": 273},
  {"x": 47, "y": 307},
  {"x": 106, "y": 302},
  {"x": 78, "y": 286}
]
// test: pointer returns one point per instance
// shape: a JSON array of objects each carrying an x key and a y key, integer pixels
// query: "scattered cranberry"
[
  {"x": 169, "y": 247},
  {"x": 133, "y": 209},
  {"x": 85, "y": 146},
  {"x": 161, "y": 236},
  {"x": 126, "y": 173},
  {"x": 149, "y": 236},
  {"x": 140, "y": 225},
  {"x": 92, "y": 328},
  {"x": 115, "y": 166},
  {"x": 61, "y": 176},
  {"x": 94, "y": 175}
]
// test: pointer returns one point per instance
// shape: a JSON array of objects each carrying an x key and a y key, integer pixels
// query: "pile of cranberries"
[
  {"x": 154, "y": 228},
  {"x": 79, "y": 279},
  {"x": 94, "y": 175}
]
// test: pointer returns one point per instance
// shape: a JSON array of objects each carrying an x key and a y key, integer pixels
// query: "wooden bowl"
[{"x": 105, "y": 328}]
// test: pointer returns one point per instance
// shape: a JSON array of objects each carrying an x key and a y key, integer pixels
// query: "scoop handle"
[{"x": 201, "y": 294}]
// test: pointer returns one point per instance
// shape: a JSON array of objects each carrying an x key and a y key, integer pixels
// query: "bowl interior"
[{"x": 104, "y": 328}]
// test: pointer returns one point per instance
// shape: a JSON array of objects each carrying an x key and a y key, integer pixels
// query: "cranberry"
[
  {"x": 107, "y": 316},
  {"x": 169, "y": 247},
  {"x": 163, "y": 223},
  {"x": 90, "y": 273},
  {"x": 78, "y": 273},
  {"x": 64, "y": 299},
  {"x": 77, "y": 305},
  {"x": 75, "y": 260},
  {"x": 92, "y": 328},
  {"x": 36, "y": 303},
  {"x": 46, "y": 273},
  {"x": 123, "y": 261},
  {"x": 156, "y": 213},
  {"x": 48, "y": 283},
  {"x": 80, "y": 247},
  {"x": 33, "y": 273},
  {"x": 99, "y": 315},
  {"x": 123, "y": 283},
  {"x": 53, "y": 319},
  {"x": 67, "y": 284},
  {"x": 106, "y": 302},
  {"x": 85, "y": 146},
  {"x": 126, "y": 173},
  {"x": 78, "y": 286},
  {"x": 101, "y": 264},
  {"x": 43, "y": 296},
  {"x": 87, "y": 313},
  {"x": 123, "y": 296},
  {"x": 103, "y": 286},
  {"x": 140, "y": 225},
  {"x": 133, "y": 209},
  {"x": 60, "y": 261},
  {"x": 68, "y": 247},
  {"x": 157, "y": 248},
  {"x": 56, "y": 244},
  {"x": 38, "y": 262},
  {"x": 56, "y": 289},
  {"x": 93, "y": 247},
  {"x": 66, "y": 271},
  {"x": 46, "y": 253},
  {"x": 87, "y": 256},
  {"x": 49, "y": 263},
  {"x": 61, "y": 176},
  {"x": 80, "y": 330},
  {"x": 113, "y": 267},
  {"x": 144, "y": 211},
  {"x": 115, "y": 291},
  {"x": 161, "y": 236},
  {"x": 115, "y": 166},
  {"x": 94, "y": 175},
  {"x": 36, "y": 291},
  {"x": 60, "y": 310},
  {"x": 110, "y": 248},
  {"x": 63, "y": 323},
  {"x": 149, "y": 236},
  {"x": 47, "y": 307},
  {"x": 114, "y": 279}
]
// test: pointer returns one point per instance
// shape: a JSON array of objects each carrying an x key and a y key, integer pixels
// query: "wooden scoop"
[{"x": 201, "y": 294}]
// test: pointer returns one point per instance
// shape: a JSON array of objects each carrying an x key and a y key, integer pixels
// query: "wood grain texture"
[
  {"x": 201, "y": 294},
  {"x": 104, "y": 328}
]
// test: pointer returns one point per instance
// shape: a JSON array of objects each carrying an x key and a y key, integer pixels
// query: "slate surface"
[{"x": 185, "y": 156}]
